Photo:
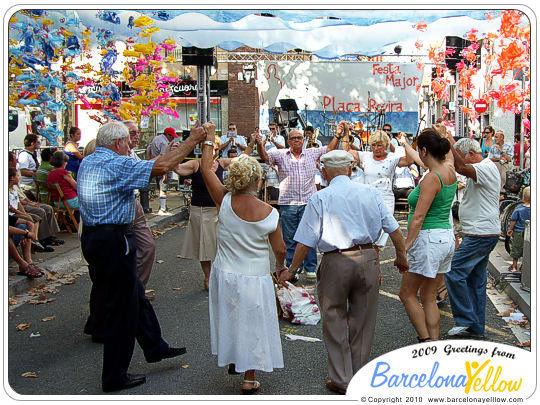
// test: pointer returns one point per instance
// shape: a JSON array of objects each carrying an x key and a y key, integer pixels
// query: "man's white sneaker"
[
  {"x": 163, "y": 212},
  {"x": 458, "y": 331},
  {"x": 311, "y": 274}
]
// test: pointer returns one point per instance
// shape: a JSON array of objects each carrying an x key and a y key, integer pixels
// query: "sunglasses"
[{"x": 296, "y": 138}]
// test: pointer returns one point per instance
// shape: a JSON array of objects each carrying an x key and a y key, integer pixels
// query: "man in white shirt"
[
  {"x": 156, "y": 148},
  {"x": 343, "y": 221},
  {"x": 479, "y": 217},
  {"x": 28, "y": 163},
  {"x": 232, "y": 139},
  {"x": 274, "y": 140},
  {"x": 310, "y": 142}
]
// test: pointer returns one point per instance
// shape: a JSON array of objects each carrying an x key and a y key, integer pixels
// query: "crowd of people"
[{"x": 231, "y": 232}]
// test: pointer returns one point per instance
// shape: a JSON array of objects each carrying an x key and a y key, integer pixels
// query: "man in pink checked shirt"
[{"x": 296, "y": 167}]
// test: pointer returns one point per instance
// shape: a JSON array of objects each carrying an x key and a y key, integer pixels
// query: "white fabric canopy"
[{"x": 326, "y": 33}]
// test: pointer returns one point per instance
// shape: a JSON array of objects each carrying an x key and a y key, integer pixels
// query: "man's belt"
[
  {"x": 108, "y": 227},
  {"x": 356, "y": 247}
]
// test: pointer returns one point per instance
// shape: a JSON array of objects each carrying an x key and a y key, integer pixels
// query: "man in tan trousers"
[
  {"x": 343, "y": 221},
  {"x": 146, "y": 246}
]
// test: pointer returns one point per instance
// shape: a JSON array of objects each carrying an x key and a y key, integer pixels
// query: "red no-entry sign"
[{"x": 480, "y": 106}]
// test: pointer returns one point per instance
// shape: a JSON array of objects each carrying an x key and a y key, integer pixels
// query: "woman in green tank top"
[{"x": 430, "y": 238}]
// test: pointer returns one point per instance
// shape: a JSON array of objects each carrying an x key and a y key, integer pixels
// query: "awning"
[{"x": 326, "y": 33}]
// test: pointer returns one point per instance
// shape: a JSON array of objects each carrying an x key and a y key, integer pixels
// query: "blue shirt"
[
  {"x": 343, "y": 215},
  {"x": 495, "y": 153},
  {"x": 105, "y": 185},
  {"x": 520, "y": 215}
]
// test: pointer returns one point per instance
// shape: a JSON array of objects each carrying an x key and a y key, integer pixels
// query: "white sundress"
[{"x": 244, "y": 327}]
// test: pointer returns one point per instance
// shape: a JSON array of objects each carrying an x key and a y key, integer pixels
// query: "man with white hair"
[
  {"x": 105, "y": 185},
  {"x": 479, "y": 217},
  {"x": 296, "y": 169},
  {"x": 343, "y": 221}
]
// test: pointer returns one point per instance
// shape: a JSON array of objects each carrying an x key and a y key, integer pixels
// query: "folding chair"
[
  {"x": 62, "y": 210},
  {"x": 41, "y": 185}
]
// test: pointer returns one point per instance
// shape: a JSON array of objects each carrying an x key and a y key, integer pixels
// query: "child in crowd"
[{"x": 517, "y": 227}]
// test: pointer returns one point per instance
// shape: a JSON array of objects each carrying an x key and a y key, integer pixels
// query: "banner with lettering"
[{"x": 370, "y": 93}]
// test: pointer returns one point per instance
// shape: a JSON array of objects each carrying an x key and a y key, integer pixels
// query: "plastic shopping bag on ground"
[{"x": 298, "y": 305}]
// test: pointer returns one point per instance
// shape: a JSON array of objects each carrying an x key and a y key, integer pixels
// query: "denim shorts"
[
  {"x": 431, "y": 252},
  {"x": 17, "y": 238}
]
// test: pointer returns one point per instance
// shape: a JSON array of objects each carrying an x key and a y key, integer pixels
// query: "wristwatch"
[
  {"x": 293, "y": 272},
  {"x": 209, "y": 143}
]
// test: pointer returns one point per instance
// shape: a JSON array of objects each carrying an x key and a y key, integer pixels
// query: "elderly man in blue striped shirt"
[{"x": 105, "y": 185}]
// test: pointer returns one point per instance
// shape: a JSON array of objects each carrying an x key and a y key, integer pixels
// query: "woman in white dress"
[{"x": 244, "y": 327}]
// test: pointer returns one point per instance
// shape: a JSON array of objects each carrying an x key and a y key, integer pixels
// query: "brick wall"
[{"x": 243, "y": 100}]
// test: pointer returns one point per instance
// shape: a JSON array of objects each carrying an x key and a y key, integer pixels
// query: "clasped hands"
[
  {"x": 402, "y": 138},
  {"x": 343, "y": 127},
  {"x": 284, "y": 275},
  {"x": 401, "y": 263}
]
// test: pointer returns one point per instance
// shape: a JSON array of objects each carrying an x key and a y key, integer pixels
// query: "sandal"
[
  {"x": 440, "y": 298},
  {"x": 255, "y": 388},
  {"x": 30, "y": 271},
  {"x": 512, "y": 269},
  {"x": 35, "y": 266}
]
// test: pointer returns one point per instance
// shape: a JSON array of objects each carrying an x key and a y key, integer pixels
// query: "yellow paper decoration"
[{"x": 143, "y": 21}]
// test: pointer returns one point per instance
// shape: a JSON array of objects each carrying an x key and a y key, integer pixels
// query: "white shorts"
[{"x": 431, "y": 252}]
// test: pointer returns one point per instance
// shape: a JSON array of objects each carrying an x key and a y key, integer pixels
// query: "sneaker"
[
  {"x": 56, "y": 241},
  {"x": 147, "y": 210},
  {"x": 311, "y": 274},
  {"x": 163, "y": 212},
  {"x": 459, "y": 331}
]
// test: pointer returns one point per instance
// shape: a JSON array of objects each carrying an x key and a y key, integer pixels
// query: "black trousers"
[
  {"x": 402, "y": 192},
  {"x": 119, "y": 301}
]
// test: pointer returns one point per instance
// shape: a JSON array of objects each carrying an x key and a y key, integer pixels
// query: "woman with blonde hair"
[
  {"x": 244, "y": 325},
  {"x": 379, "y": 169},
  {"x": 200, "y": 242}
]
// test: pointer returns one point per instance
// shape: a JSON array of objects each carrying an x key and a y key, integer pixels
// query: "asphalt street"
[{"x": 65, "y": 361}]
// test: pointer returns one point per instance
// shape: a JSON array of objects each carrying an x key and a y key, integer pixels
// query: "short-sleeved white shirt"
[
  {"x": 343, "y": 215},
  {"x": 380, "y": 174},
  {"x": 238, "y": 140},
  {"x": 26, "y": 162},
  {"x": 13, "y": 200},
  {"x": 270, "y": 145},
  {"x": 479, "y": 208}
]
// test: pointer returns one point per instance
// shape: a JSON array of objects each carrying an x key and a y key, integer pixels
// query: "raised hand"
[{"x": 210, "y": 130}]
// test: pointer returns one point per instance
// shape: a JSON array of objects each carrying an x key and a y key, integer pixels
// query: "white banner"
[
  {"x": 341, "y": 86},
  {"x": 350, "y": 91}
]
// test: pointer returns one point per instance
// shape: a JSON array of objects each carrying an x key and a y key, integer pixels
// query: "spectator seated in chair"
[
  {"x": 64, "y": 179},
  {"x": 17, "y": 213},
  {"x": 43, "y": 171},
  {"x": 19, "y": 234}
]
